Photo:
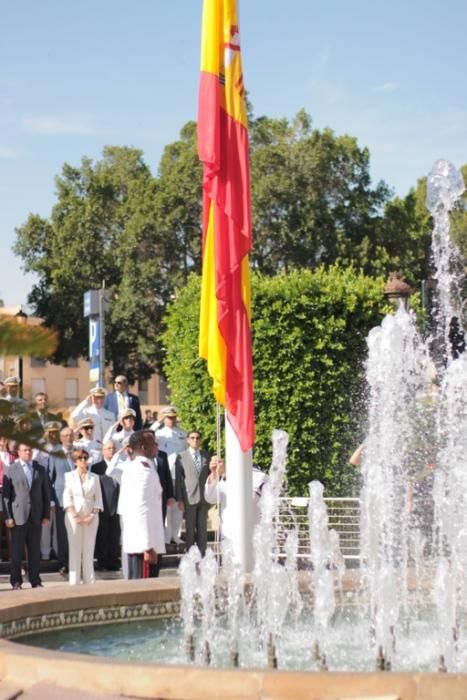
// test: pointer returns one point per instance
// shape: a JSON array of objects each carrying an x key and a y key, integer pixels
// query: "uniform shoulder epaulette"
[{"x": 145, "y": 464}]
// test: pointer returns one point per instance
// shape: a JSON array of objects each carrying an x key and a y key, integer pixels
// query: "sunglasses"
[
  {"x": 88, "y": 427},
  {"x": 80, "y": 459}
]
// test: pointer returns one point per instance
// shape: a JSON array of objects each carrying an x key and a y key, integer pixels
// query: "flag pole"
[{"x": 239, "y": 498}]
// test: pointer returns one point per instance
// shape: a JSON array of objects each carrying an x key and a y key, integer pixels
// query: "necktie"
[
  {"x": 197, "y": 461},
  {"x": 121, "y": 402},
  {"x": 29, "y": 473}
]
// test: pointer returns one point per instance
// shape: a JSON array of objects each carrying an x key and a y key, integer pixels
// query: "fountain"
[
  {"x": 407, "y": 611},
  {"x": 413, "y": 509}
]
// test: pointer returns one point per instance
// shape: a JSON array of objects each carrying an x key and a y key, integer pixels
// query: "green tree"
[
  {"x": 312, "y": 201},
  {"x": 103, "y": 228},
  {"x": 309, "y": 331},
  {"x": 311, "y": 196},
  {"x": 403, "y": 237},
  {"x": 178, "y": 200}
]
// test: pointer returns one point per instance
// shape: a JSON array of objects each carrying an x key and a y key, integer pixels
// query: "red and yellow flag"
[{"x": 225, "y": 335}]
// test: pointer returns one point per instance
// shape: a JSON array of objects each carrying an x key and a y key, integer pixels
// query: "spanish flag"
[{"x": 225, "y": 334}]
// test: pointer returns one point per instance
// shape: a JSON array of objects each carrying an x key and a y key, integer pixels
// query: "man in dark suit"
[
  {"x": 26, "y": 505},
  {"x": 108, "y": 532},
  {"x": 40, "y": 414},
  {"x": 119, "y": 400},
  {"x": 191, "y": 472}
]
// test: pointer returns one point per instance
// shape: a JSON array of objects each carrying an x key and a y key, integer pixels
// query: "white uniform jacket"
[
  {"x": 217, "y": 492},
  {"x": 92, "y": 447},
  {"x": 171, "y": 441},
  {"x": 140, "y": 505},
  {"x": 103, "y": 419},
  {"x": 84, "y": 498}
]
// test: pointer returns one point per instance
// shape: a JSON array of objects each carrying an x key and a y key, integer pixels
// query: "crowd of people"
[{"x": 109, "y": 490}]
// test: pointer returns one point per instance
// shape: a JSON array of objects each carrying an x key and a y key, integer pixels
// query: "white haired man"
[{"x": 93, "y": 407}]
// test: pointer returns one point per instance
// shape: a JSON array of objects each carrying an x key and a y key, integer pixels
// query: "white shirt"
[
  {"x": 117, "y": 437},
  {"x": 28, "y": 472},
  {"x": 217, "y": 491},
  {"x": 140, "y": 505},
  {"x": 123, "y": 402}
]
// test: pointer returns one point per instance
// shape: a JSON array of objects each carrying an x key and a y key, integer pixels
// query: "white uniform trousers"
[
  {"x": 125, "y": 572},
  {"x": 81, "y": 541},
  {"x": 174, "y": 523}
]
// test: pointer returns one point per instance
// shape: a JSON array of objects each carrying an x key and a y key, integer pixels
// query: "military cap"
[
  {"x": 98, "y": 391},
  {"x": 52, "y": 425},
  {"x": 128, "y": 413},
  {"x": 86, "y": 423},
  {"x": 11, "y": 381},
  {"x": 169, "y": 411}
]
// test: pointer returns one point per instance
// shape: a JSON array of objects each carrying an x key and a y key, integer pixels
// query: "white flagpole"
[{"x": 239, "y": 498}]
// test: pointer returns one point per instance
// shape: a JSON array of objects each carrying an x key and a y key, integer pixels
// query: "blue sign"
[{"x": 94, "y": 345}]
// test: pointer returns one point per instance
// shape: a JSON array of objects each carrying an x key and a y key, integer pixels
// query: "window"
[
  {"x": 71, "y": 392},
  {"x": 143, "y": 390},
  {"x": 38, "y": 362},
  {"x": 71, "y": 362},
  {"x": 163, "y": 391}
]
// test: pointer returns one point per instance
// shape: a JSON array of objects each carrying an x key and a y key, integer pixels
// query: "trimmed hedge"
[{"x": 309, "y": 331}]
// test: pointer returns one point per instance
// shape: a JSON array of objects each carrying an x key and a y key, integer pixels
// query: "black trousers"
[
  {"x": 62, "y": 539},
  {"x": 196, "y": 524},
  {"x": 108, "y": 541},
  {"x": 28, "y": 534},
  {"x": 135, "y": 566}
]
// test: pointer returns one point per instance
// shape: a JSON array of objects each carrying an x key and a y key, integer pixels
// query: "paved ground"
[
  {"x": 54, "y": 579},
  {"x": 45, "y": 691}
]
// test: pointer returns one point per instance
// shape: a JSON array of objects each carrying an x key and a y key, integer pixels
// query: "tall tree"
[
  {"x": 103, "y": 229},
  {"x": 312, "y": 198}
]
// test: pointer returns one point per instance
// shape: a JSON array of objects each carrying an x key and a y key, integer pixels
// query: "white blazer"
[{"x": 83, "y": 497}]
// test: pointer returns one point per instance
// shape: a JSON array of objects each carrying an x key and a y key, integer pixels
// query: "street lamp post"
[{"x": 22, "y": 318}]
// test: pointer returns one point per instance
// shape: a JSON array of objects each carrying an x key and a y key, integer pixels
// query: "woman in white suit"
[{"x": 82, "y": 501}]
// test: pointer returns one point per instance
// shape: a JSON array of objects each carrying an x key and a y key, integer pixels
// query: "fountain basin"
[{"x": 32, "y": 610}]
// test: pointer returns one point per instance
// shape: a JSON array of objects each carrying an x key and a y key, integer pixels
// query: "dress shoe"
[
  {"x": 16, "y": 586},
  {"x": 37, "y": 585}
]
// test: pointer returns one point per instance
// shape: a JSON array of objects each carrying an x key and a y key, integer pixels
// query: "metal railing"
[{"x": 344, "y": 517}]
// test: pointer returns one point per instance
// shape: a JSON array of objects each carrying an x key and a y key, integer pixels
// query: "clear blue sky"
[{"x": 75, "y": 76}]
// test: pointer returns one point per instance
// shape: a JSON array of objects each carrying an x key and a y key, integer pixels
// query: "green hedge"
[{"x": 309, "y": 331}]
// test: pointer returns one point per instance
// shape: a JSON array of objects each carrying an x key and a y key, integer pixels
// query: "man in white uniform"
[
  {"x": 215, "y": 492},
  {"x": 126, "y": 423},
  {"x": 171, "y": 440},
  {"x": 87, "y": 441},
  {"x": 93, "y": 407},
  {"x": 140, "y": 506}
]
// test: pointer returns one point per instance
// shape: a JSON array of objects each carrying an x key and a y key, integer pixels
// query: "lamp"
[{"x": 397, "y": 291}]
